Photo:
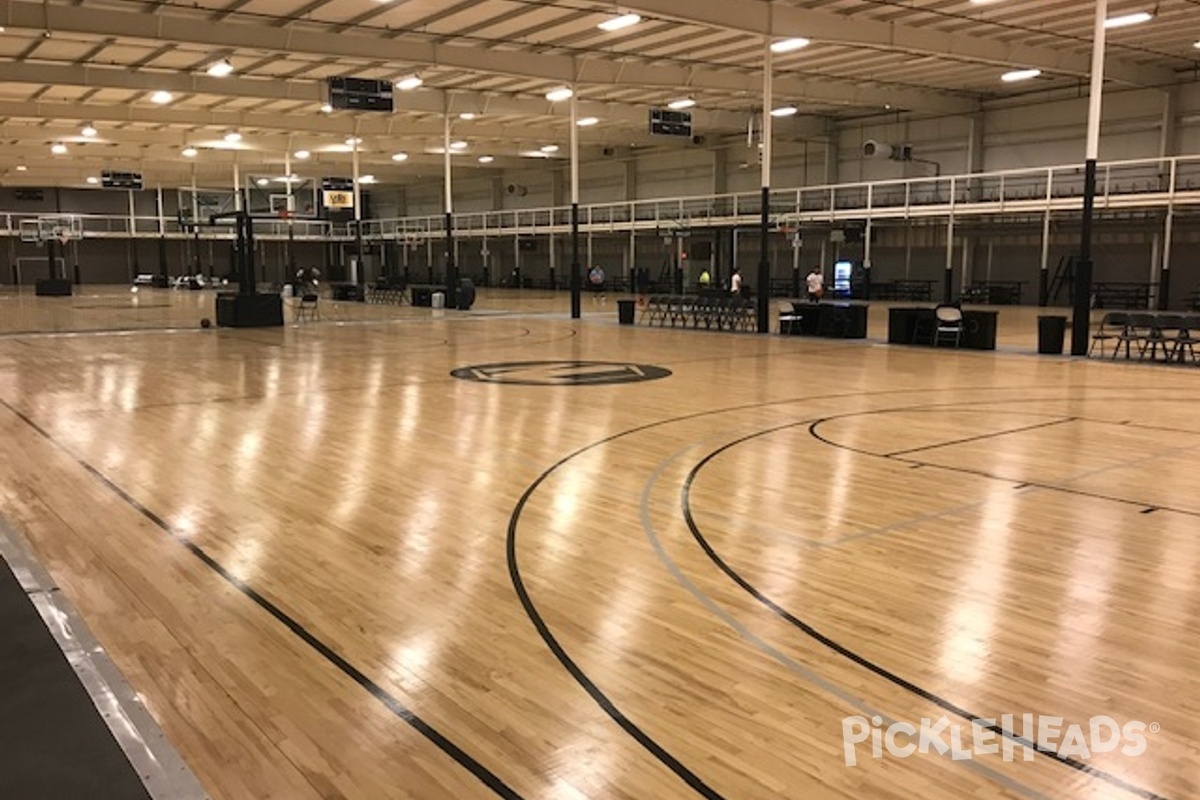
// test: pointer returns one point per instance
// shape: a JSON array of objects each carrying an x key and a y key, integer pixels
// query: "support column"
[
  {"x": 575, "y": 278},
  {"x": 162, "y": 233},
  {"x": 1044, "y": 273},
  {"x": 357, "y": 273},
  {"x": 290, "y": 259},
  {"x": 832, "y": 153},
  {"x": 196, "y": 227},
  {"x": 1164, "y": 276},
  {"x": 1081, "y": 323},
  {"x": 720, "y": 172},
  {"x": 948, "y": 274},
  {"x": 763, "y": 290},
  {"x": 451, "y": 263}
]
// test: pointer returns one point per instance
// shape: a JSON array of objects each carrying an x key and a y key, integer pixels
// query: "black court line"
[
  {"x": 1050, "y": 487},
  {"x": 980, "y": 438},
  {"x": 526, "y": 602},
  {"x": 543, "y": 629},
  {"x": 465, "y": 760},
  {"x": 609, "y": 707},
  {"x": 860, "y": 660}
]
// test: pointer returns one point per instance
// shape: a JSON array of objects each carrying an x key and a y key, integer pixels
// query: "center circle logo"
[{"x": 561, "y": 373}]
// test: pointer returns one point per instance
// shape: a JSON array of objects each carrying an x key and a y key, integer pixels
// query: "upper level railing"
[
  {"x": 125, "y": 226},
  {"x": 1145, "y": 183},
  {"x": 1131, "y": 184}
]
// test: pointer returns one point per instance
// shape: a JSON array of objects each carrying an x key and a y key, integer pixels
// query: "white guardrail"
[{"x": 1132, "y": 184}]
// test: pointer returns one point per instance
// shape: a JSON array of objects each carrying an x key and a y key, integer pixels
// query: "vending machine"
[{"x": 842, "y": 271}]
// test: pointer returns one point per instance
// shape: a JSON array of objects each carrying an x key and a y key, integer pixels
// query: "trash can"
[
  {"x": 466, "y": 294},
  {"x": 438, "y": 300},
  {"x": 625, "y": 311},
  {"x": 1051, "y": 333}
]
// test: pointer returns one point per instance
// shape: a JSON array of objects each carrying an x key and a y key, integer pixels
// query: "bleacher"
[
  {"x": 994, "y": 293},
  {"x": 921, "y": 291}
]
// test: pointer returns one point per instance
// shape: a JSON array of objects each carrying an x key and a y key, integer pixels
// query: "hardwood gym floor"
[{"x": 332, "y": 570}]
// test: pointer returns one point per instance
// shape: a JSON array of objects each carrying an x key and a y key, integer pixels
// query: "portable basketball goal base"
[{"x": 52, "y": 232}]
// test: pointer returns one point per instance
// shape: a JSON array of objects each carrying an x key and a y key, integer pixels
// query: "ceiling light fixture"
[
  {"x": 190, "y": 152},
  {"x": 587, "y": 122},
  {"x": 367, "y": 179},
  {"x": 93, "y": 180},
  {"x": 549, "y": 148},
  {"x": 233, "y": 137},
  {"x": 58, "y": 148},
  {"x": 302, "y": 155},
  {"x": 220, "y": 69},
  {"x": 1020, "y": 75},
  {"x": 353, "y": 141},
  {"x": 784, "y": 111},
  {"x": 467, "y": 115},
  {"x": 161, "y": 97},
  {"x": 681, "y": 103},
  {"x": 617, "y": 23},
  {"x": 263, "y": 181},
  {"x": 21, "y": 168},
  {"x": 459, "y": 145},
  {"x": 399, "y": 156},
  {"x": 559, "y": 94},
  {"x": 409, "y": 83},
  {"x": 789, "y": 45},
  {"x": 486, "y": 159},
  {"x": 326, "y": 108},
  {"x": 1125, "y": 20},
  {"x": 89, "y": 130},
  {"x": 1197, "y": 45}
]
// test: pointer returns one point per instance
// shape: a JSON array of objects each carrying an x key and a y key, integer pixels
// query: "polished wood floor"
[{"x": 332, "y": 570}]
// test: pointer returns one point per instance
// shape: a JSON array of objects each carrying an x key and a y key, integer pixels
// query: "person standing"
[
  {"x": 596, "y": 279},
  {"x": 816, "y": 285},
  {"x": 735, "y": 282}
]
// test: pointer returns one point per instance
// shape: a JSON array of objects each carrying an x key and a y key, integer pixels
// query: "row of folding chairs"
[
  {"x": 1169, "y": 337},
  {"x": 722, "y": 313}
]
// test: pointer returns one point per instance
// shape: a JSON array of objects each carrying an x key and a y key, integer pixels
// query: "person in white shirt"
[
  {"x": 735, "y": 282},
  {"x": 816, "y": 285}
]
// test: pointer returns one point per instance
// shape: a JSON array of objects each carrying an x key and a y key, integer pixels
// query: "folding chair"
[
  {"x": 307, "y": 308},
  {"x": 1111, "y": 326},
  {"x": 1188, "y": 338},
  {"x": 1157, "y": 337}
]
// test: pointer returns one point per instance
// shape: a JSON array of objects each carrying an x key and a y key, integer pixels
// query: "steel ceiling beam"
[
  {"x": 172, "y": 25},
  {"x": 771, "y": 19}
]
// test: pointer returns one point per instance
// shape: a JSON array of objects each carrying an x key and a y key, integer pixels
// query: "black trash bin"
[
  {"x": 1051, "y": 333},
  {"x": 625, "y": 311},
  {"x": 466, "y": 294}
]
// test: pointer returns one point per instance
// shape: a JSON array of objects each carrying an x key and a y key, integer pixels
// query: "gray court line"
[
  {"x": 1091, "y": 473},
  {"x": 868, "y": 533},
  {"x": 770, "y": 651},
  {"x": 161, "y": 769}
]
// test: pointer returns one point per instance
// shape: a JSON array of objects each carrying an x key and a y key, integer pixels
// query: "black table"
[
  {"x": 346, "y": 291},
  {"x": 979, "y": 327},
  {"x": 832, "y": 320}
]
